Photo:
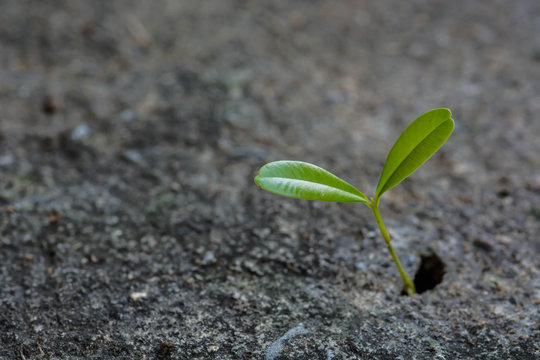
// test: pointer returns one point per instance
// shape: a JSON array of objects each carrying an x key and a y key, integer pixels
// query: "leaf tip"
[
  {"x": 447, "y": 111},
  {"x": 256, "y": 179}
]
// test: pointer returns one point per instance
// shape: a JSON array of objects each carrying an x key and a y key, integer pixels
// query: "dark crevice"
[{"x": 430, "y": 273}]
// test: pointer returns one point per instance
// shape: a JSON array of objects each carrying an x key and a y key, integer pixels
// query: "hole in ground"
[{"x": 430, "y": 273}]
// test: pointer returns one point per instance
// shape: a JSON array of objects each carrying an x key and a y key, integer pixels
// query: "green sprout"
[{"x": 417, "y": 143}]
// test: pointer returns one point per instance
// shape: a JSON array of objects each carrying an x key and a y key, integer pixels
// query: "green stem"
[{"x": 409, "y": 284}]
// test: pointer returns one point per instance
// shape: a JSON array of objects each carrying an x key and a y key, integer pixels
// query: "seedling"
[{"x": 417, "y": 143}]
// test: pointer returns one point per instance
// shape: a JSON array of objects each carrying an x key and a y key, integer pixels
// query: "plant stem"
[{"x": 409, "y": 284}]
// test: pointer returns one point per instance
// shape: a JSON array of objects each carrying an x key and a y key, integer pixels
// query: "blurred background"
[{"x": 274, "y": 77}]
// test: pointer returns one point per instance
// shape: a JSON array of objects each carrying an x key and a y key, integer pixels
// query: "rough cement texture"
[{"x": 130, "y": 133}]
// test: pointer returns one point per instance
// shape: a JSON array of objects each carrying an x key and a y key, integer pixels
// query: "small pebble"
[
  {"x": 133, "y": 156},
  {"x": 80, "y": 132},
  {"x": 138, "y": 295},
  {"x": 166, "y": 348},
  {"x": 484, "y": 244},
  {"x": 208, "y": 258},
  {"x": 48, "y": 106},
  {"x": 276, "y": 348},
  {"x": 53, "y": 217}
]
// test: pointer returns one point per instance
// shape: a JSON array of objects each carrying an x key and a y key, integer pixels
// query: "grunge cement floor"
[{"x": 130, "y": 133}]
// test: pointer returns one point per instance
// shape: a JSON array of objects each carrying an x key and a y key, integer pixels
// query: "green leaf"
[
  {"x": 421, "y": 139},
  {"x": 303, "y": 180}
]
